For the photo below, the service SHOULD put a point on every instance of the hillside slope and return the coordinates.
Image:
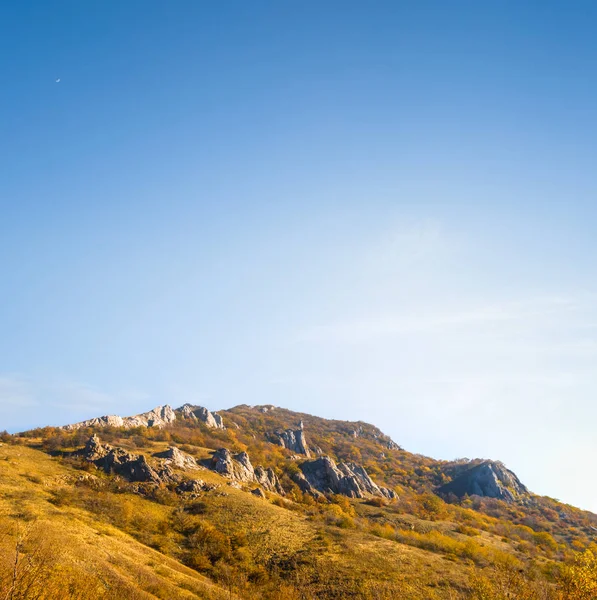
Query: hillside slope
(262, 502)
(62, 550)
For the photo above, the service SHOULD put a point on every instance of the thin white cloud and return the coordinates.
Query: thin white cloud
(362, 330)
(16, 392)
(24, 402)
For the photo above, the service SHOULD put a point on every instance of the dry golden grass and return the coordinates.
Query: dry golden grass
(76, 538)
(70, 545)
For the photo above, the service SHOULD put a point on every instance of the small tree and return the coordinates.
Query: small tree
(579, 580)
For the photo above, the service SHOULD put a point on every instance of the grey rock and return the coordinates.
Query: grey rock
(349, 479)
(133, 467)
(199, 413)
(158, 417)
(195, 486)
(258, 492)
(177, 458)
(268, 480)
(488, 478)
(293, 439)
(237, 467)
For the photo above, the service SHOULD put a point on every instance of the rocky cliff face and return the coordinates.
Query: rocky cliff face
(199, 413)
(349, 479)
(488, 478)
(158, 417)
(293, 439)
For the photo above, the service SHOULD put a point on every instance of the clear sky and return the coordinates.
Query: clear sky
(363, 210)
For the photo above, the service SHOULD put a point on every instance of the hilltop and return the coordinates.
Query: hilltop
(264, 502)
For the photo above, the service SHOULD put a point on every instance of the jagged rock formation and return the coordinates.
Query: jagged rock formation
(177, 458)
(349, 479)
(258, 492)
(158, 417)
(199, 413)
(487, 478)
(268, 480)
(133, 467)
(293, 439)
(238, 467)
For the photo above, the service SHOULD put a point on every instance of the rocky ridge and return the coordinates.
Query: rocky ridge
(158, 417)
(316, 476)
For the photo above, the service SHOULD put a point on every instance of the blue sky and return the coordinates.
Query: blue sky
(381, 211)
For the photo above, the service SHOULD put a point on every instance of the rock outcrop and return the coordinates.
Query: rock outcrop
(133, 467)
(349, 479)
(200, 413)
(238, 468)
(268, 480)
(177, 458)
(195, 486)
(292, 439)
(158, 417)
(487, 478)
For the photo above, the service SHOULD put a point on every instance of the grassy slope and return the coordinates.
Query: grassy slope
(343, 550)
(116, 565)
(108, 559)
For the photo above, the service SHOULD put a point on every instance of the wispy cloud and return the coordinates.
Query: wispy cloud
(16, 391)
(366, 329)
(25, 401)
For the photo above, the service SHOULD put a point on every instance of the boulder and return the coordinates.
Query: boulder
(177, 458)
(195, 486)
